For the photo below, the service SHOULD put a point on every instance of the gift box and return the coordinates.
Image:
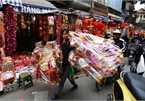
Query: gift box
(8, 73)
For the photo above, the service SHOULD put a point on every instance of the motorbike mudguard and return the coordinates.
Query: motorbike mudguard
(121, 92)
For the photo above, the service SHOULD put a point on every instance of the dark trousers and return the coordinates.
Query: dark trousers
(64, 76)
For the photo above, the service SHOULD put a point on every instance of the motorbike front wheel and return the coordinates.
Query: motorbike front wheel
(100, 85)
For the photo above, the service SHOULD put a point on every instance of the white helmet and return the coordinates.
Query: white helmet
(117, 31)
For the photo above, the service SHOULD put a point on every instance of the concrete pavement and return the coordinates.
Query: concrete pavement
(43, 92)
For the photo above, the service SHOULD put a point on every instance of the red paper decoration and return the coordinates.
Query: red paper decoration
(10, 29)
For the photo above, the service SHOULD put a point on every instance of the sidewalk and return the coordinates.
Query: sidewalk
(29, 93)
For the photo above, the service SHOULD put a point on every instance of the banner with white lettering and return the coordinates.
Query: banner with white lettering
(33, 10)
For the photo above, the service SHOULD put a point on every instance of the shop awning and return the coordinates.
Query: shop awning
(100, 17)
(17, 3)
(115, 17)
(36, 7)
(38, 3)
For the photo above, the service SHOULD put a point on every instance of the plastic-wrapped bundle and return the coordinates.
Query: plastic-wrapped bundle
(84, 65)
(97, 56)
(49, 59)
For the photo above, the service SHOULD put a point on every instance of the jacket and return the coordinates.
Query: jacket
(65, 48)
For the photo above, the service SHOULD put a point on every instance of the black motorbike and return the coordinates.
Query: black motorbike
(134, 52)
(134, 65)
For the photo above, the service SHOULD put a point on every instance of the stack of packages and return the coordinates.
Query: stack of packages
(48, 59)
(7, 75)
(7, 70)
(94, 55)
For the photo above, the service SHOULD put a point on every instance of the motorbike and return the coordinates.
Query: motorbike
(134, 52)
(130, 87)
(139, 67)
(100, 86)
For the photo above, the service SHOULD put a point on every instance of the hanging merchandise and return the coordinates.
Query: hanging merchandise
(65, 18)
(23, 25)
(64, 24)
(88, 24)
(40, 26)
(78, 25)
(71, 19)
(50, 24)
(16, 19)
(33, 18)
(10, 29)
(50, 20)
(99, 28)
(28, 21)
(112, 25)
(44, 25)
(79, 22)
(72, 23)
(44, 28)
(58, 28)
(2, 39)
(1, 23)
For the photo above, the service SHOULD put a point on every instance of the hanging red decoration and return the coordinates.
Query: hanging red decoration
(99, 26)
(10, 29)
(86, 22)
(112, 23)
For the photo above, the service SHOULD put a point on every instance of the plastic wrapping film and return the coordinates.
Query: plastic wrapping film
(94, 55)
(49, 59)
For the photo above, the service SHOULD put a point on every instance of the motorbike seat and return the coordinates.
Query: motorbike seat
(136, 85)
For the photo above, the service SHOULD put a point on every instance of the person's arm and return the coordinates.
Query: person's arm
(70, 46)
(123, 48)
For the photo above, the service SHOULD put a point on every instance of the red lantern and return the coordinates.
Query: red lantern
(99, 26)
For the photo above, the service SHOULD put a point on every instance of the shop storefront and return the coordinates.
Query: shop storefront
(100, 11)
(22, 25)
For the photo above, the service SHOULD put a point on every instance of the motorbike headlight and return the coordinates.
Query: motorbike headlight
(131, 52)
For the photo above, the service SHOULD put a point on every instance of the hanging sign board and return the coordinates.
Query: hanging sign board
(33, 10)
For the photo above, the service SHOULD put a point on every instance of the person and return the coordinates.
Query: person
(107, 35)
(136, 39)
(119, 41)
(65, 47)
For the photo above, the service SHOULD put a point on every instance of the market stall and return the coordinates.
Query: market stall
(22, 25)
